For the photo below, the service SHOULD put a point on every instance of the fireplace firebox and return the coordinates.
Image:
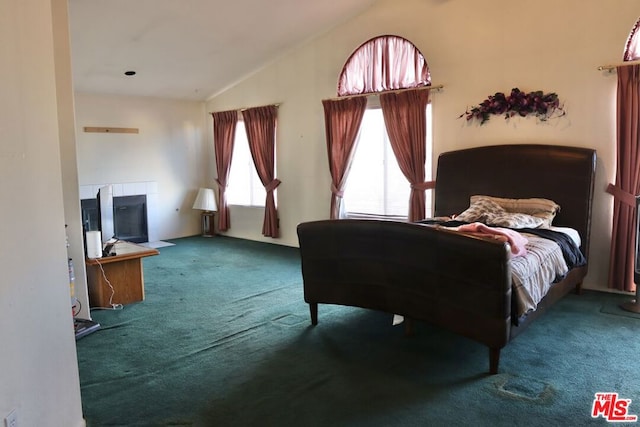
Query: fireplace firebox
(129, 217)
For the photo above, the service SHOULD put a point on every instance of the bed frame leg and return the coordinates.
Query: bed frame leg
(494, 360)
(313, 309)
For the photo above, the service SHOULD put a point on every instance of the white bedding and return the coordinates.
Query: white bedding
(534, 273)
(575, 236)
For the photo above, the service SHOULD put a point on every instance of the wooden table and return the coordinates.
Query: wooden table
(123, 271)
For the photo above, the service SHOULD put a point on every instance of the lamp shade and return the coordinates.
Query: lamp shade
(205, 200)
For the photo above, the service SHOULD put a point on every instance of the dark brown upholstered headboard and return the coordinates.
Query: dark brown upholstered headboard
(562, 174)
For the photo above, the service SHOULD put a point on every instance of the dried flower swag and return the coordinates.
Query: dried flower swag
(543, 106)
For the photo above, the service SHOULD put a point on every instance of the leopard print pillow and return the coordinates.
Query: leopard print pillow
(537, 207)
(515, 220)
(489, 212)
(480, 210)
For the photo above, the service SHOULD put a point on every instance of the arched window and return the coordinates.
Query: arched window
(383, 63)
(368, 179)
(632, 47)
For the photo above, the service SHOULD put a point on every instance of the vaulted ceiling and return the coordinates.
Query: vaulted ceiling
(189, 49)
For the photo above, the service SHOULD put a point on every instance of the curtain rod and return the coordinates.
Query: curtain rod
(436, 88)
(612, 67)
(247, 108)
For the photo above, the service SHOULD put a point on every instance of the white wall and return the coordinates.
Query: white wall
(67, 135)
(38, 359)
(473, 48)
(172, 149)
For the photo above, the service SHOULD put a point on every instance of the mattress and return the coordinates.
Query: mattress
(534, 272)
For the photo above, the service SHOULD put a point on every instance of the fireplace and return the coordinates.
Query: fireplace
(129, 217)
(91, 217)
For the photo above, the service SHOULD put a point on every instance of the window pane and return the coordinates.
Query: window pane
(397, 188)
(365, 183)
(428, 170)
(244, 187)
(376, 185)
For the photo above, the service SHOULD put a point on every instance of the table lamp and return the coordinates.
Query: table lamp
(206, 201)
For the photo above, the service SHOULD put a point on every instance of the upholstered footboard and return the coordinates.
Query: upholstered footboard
(455, 281)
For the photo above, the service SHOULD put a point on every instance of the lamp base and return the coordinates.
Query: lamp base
(208, 224)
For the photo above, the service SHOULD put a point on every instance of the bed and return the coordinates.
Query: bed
(460, 281)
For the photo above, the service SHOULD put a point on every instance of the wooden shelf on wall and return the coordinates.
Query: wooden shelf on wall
(110, 130)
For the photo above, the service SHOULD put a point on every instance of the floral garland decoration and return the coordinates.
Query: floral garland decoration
(543, 106)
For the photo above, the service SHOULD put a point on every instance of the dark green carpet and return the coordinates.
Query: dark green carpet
(224, 339)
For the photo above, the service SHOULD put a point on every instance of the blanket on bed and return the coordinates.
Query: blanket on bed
(571, 253)
(541, 257)
(516, 240)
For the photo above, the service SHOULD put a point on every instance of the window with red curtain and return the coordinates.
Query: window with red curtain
(380, 190)
(245, 187)
(374, 185)
(383, 63)
(627, 182)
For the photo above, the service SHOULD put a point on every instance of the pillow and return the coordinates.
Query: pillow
(515, 220)
(537, 207)
(480, 210)
(487, 211)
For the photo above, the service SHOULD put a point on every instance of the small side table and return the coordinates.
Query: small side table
(124, 273)
(208, 228)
